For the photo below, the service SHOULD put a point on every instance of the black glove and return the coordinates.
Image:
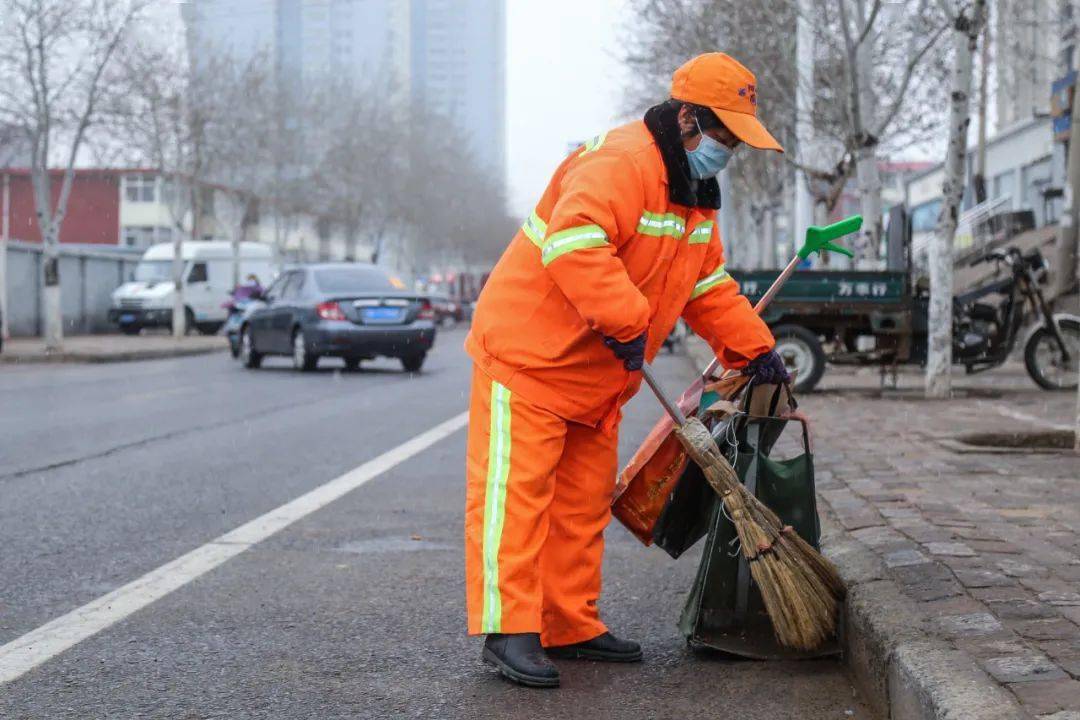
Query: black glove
(632, 352)
(767, 369)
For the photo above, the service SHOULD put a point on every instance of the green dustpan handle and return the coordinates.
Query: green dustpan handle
(821, 238)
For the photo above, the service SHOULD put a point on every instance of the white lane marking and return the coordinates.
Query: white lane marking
(37, 646)
(1011, 412)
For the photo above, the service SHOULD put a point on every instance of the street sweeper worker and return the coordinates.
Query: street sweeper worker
(622, 243)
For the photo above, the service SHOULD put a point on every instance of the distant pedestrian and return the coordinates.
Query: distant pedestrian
(251, 289)
(623, 242)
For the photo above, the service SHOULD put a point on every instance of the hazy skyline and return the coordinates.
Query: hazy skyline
(565, 84)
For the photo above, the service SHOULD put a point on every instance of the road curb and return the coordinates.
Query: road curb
(97, 358)
(903, 672)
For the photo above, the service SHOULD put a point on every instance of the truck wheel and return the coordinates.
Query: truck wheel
(1042, 356)
(802, 353)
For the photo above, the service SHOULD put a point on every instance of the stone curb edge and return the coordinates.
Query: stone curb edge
(129, 356)
(902, 671)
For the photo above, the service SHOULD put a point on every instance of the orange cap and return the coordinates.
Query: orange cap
(722, 84)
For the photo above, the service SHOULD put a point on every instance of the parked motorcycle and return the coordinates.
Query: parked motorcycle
(986, 330)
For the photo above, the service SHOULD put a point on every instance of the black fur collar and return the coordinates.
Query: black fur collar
(662, 121)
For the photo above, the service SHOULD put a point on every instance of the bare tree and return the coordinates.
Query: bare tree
(195, 123)
(968, 17)
(55, 57)
(876, 83)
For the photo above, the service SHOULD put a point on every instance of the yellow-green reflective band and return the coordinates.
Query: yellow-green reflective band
(495, 505)
(701, 234)
(595, 143)
(571, 239)
(535, 228)
(707, 283)
(658, 225)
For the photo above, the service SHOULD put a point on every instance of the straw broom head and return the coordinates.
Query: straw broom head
(800, 588)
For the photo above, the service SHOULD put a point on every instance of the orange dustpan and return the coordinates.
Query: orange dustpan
(647, 481)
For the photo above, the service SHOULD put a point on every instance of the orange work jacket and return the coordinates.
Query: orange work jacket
(607, 253)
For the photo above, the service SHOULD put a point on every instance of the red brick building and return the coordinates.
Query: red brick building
(93, 212)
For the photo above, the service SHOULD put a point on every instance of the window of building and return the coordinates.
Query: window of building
(138, 236)
(1003, 185)
(140, 188)
(924, 217)
(1034, 179)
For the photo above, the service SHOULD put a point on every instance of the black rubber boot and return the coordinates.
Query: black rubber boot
(606, 647)
(521, 658)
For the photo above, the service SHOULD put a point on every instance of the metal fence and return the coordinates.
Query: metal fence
(87, 278)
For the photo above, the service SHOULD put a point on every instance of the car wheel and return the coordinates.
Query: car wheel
(413, 363)
(248, 355)
(130, 329)
(301, 358)
(209, 328)
(352, 364)
(802, 354)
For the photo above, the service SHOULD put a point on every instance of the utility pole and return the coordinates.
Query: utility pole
(804, 98)
(5, 235)
(980, 156)
(1066, 255)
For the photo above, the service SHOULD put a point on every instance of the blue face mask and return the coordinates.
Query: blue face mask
(708, 158)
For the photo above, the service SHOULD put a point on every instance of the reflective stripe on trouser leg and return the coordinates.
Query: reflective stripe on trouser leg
(512, 482)
(498, 473)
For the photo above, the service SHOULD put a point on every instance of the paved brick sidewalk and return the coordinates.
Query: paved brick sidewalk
(988, 545)
(111, 348)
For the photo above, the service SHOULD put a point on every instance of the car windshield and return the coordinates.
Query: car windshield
(353, 279)
(153, 271)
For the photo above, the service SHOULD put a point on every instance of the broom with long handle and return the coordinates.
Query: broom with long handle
(801, 590)
(817, 239)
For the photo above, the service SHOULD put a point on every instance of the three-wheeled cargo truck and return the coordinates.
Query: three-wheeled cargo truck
(880, 318)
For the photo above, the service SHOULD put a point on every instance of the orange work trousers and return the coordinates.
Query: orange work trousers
(538, 498)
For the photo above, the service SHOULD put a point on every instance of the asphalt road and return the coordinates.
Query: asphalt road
(108, 472)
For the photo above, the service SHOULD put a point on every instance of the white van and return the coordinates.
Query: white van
(147, 300)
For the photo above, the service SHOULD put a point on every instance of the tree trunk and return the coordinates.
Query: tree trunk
(939, 339)
(50, 294)
(768, 239)
(1065, 255)
(179, 315)
(866, 169)
(803, 210)
(869, 181)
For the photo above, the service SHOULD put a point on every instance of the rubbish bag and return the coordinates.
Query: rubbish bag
(687, 514)
(724, 610)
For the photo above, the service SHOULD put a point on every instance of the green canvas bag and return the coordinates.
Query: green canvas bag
(724, 610)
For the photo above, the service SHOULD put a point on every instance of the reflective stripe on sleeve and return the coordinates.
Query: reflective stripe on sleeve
(571, 239)
(495, 505)
(707, 283)
(658, 225)
(535, 229)
(701, 234)
(595, 143)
